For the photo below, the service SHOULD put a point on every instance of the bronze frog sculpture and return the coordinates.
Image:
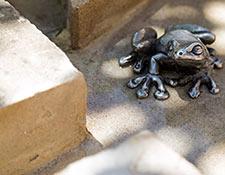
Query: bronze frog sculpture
(183, 49)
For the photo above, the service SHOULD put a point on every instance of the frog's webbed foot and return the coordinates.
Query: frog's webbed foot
(139, 65)
(194, 91)
(146, 81)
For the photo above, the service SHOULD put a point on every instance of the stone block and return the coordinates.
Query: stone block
(42, 97)
(89, 19)
(142, 154)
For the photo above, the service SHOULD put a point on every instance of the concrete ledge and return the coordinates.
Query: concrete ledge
(42, 97)
(91, 18)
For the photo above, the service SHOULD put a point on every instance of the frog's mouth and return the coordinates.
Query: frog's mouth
(186, 55)
(191, 62)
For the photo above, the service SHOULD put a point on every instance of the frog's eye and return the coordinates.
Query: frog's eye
(197, 50)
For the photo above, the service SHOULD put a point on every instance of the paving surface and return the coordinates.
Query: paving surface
(194, 128)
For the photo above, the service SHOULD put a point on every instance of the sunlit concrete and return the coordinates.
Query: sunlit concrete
(177, 139)
(170, 11)
(112, 70)
(220, 41)
(214, 12)
(118, 121)
(213, 161)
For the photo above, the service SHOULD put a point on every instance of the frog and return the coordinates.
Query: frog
(182, 49)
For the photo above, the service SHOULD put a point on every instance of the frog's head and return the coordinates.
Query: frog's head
(188, 52)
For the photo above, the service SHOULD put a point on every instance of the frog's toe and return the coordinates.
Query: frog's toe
(161, 95)
(138, 66)
(126, 61)
(218, 64)
(142, 93)
(171, 82)
(214, 91)
(133, 83)
(194, 93)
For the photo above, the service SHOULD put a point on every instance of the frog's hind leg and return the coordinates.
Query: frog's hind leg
(143, 45)
(206, 36)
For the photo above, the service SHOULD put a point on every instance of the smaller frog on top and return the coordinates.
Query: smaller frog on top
(182, 49)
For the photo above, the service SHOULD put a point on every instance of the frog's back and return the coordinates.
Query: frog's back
(183, 37)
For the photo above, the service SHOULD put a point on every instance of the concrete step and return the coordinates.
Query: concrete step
(42, 97)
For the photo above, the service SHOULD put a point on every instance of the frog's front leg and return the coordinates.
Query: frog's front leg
(194, 91)
(135, 59)
(151, 78)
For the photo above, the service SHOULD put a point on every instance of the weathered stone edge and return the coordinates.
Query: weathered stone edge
(83, 30)
(12, 169)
